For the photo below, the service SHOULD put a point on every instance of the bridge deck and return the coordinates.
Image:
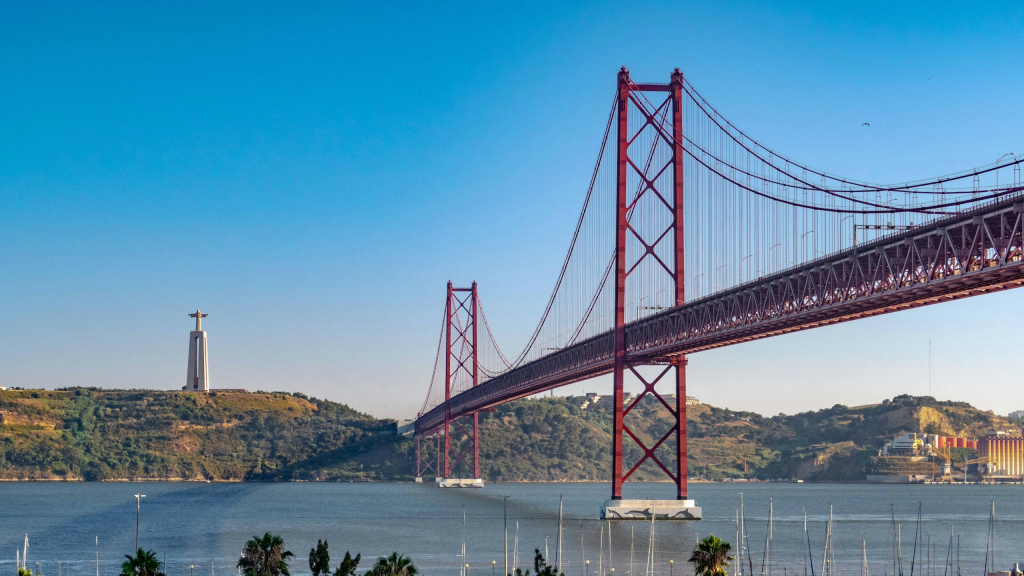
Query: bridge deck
(972, 253)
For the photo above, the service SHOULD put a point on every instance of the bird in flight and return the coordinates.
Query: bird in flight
(866, 124)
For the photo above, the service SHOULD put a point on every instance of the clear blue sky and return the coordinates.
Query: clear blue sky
(312, 174)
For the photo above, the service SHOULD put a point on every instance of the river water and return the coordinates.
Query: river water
(200, 528)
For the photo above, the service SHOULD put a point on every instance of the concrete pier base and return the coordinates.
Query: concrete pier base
(419, 480)
(641, 509)
(460, 483)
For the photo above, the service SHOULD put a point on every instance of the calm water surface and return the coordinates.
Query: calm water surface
(196, 525)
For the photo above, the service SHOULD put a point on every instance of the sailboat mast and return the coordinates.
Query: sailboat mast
(744, 548)
(650, 544)
(899, 546)
(515, 549)
(631, 532)
(916, 535)
(558, 551)
(771, 532)
(737, 570)
(583, 556)
(864, 557)
(824, 552)
(810, 558)
(611, 564)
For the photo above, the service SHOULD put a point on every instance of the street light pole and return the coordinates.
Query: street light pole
(997, 167)
(138, 511)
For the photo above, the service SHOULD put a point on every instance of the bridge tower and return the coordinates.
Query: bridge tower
(461, 372)
(428, 456)
(649, 177)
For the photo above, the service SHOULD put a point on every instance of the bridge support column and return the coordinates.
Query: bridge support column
(428, 456)
(681, 439)
(656, 249)
(461, 373)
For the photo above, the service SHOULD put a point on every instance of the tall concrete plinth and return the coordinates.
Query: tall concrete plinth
(198, 369)
(641, 509)
(460, 483)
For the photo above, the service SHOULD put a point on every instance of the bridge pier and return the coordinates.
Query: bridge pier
(458, 482)
(644, 509)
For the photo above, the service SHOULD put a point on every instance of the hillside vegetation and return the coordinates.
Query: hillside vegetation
(90, 434)
(101, 435)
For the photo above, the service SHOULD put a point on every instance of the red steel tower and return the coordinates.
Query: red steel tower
(649, 173)
(461, 371)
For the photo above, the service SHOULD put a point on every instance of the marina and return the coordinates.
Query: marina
(206, 525)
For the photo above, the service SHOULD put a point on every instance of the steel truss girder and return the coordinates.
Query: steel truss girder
(964, 255)
(976, 252)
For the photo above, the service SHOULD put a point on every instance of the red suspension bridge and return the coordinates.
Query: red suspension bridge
(693, 236)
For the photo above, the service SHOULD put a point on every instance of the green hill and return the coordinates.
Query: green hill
(91, 434)
(144, 434)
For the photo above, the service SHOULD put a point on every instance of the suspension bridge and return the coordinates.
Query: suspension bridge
(694, 235)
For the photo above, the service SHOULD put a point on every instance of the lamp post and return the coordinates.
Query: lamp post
(467, 569)
(997, 167)
(742, 260)
(773, 247)
(588, 567)
(138, 511)
(671, 568)
(492, 567)
(190, 568)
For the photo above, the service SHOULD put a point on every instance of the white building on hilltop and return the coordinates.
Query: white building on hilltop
(198, 369)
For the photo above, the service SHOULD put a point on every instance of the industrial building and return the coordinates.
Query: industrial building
(905, 444)
(1006, 451)
(950, 442)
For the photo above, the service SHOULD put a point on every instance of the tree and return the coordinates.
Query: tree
(394, 565)
(319, 559)
(348, 565)
(265, 556)
(144, 563)
(541, 567)
(711, 557)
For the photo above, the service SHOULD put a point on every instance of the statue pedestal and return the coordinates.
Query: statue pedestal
(198, 370)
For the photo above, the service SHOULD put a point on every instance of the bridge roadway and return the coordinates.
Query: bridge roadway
(967, 254)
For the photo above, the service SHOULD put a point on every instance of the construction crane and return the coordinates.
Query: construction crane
(989, 463)
(947, 462)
